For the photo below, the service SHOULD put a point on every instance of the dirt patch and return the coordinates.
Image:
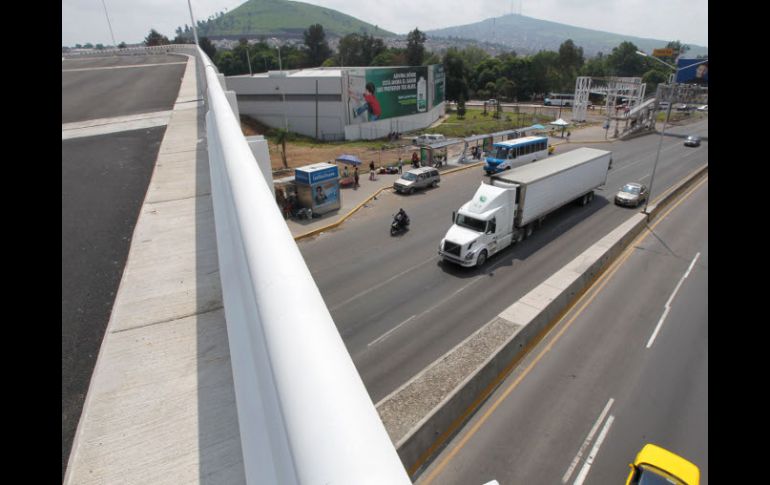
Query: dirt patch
(303, 153)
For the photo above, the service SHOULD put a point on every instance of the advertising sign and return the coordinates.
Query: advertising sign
(313, 174)
(692, 71)
(387, 92)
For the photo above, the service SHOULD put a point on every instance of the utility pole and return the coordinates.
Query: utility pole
(109, 24)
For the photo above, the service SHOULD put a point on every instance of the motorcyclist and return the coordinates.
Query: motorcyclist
(402, 218)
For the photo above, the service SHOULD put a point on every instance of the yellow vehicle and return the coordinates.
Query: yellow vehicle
(655, 465)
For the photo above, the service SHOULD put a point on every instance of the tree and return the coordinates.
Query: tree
(359, 50)
(415, 47)
(207, 47)
(281, 136)
(461, 107)
(625, 62)
(317, 48)
(155, 38)
(122, 45)
(570, 62)
(456, 75)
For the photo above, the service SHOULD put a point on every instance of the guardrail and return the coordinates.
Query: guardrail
(303, 411)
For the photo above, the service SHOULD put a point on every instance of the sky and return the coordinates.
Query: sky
(85, 21)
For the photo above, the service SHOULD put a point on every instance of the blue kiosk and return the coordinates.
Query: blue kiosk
(318, 187)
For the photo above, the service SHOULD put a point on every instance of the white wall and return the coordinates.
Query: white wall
(299, 108)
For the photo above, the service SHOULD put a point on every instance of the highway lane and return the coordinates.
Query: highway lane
(398, 308)
(628, 365)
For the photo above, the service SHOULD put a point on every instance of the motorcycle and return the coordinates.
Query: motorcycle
(399, 224)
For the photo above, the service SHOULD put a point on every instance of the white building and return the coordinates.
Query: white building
(329, 103)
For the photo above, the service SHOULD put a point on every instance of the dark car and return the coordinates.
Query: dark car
(692, 141)
(631, 195)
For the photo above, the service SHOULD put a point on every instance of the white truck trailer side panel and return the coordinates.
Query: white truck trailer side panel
(552, 183)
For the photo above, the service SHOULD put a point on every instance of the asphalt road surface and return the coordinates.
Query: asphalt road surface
(119, 86)
(627, 366)
(104, 181)
(398, 308)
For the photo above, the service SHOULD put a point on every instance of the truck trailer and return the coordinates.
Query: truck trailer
(507, 208)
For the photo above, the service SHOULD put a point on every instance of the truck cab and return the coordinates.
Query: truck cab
(481, 227)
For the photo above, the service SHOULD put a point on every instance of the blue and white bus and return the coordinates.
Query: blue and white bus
(512, 153)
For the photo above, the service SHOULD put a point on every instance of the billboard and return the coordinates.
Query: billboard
(387, 92)
(692, 71)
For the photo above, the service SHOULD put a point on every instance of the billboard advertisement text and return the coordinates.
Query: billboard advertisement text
(388, 92)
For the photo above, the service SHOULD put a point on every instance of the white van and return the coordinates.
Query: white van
(418, 178)
(427, 139)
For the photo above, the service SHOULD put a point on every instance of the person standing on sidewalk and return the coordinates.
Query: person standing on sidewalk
(400, 165)
(371, 170)
(355, 176)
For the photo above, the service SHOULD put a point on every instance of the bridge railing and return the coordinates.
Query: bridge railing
(303, 411)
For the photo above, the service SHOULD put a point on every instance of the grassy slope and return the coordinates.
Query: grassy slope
(271, 16)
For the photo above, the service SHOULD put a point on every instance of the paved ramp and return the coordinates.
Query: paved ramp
(161, 405)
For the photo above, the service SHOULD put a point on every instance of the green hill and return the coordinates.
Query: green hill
(527, 35)
(285, 18)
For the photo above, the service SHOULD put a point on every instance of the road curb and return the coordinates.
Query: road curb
(356, 208)
(527, 320)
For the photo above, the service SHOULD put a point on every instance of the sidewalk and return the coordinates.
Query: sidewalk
(354, 199)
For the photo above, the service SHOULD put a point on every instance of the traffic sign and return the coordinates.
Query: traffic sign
(663, 52)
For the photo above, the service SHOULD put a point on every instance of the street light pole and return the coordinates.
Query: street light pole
(192, 19)
(665, 122)
(109, 25)
(657, 156)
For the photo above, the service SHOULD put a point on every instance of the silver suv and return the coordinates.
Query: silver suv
(417, 178)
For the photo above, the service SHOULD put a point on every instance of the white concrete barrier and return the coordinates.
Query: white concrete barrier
(304, 413)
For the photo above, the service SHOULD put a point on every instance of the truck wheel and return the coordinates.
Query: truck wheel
(528, 231)
(590, 196)
(482, 258)
(584, 200)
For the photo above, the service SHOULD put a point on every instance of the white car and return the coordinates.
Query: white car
(705, 107)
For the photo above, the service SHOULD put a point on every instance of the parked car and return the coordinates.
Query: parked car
(631, 195)
(417, 178)
(654, 464)
(692, 141)
(492, 102)
(427, 139)
(663, 105)
(705, 107)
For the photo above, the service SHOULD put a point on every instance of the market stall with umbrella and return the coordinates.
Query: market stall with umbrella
(348, 181)
(561, 123)
(348, 159)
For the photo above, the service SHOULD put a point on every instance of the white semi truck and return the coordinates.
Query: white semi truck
(506, 209)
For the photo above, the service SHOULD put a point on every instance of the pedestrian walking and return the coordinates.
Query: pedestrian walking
(371, 170)
(355, 176)
(400, 165)
(568, 133)
(415, 160)
(345, 173)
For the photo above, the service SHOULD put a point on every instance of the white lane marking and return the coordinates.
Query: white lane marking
(594, 451)
(587, 441)
(387, 334)
(380, 284)
(668, 303)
